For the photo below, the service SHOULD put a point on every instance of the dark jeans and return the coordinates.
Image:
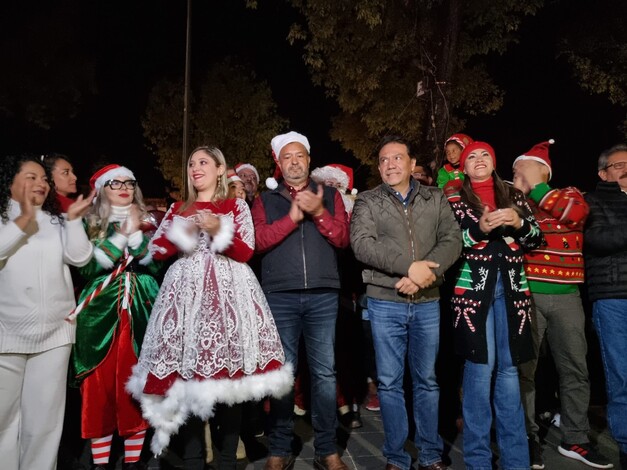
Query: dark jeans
(311, 313)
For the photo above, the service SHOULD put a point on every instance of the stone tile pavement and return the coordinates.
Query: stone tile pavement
(361, 448)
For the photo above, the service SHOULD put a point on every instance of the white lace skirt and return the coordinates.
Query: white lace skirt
(211, 339)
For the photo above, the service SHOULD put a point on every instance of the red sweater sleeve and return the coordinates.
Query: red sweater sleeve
(334, 227)
(267, 236)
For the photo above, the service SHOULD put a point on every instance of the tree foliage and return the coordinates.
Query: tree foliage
(594, 42)
(401, 65)
(230, 108)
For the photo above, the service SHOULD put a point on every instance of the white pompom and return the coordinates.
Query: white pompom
(354, 191)
(271, 183)
(551, 141)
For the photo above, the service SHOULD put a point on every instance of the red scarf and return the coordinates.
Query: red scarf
(65, 202)
(485, 191)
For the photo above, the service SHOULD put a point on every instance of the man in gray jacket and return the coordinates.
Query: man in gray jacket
(406, 235)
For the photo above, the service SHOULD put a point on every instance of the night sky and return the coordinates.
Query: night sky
(132, 44)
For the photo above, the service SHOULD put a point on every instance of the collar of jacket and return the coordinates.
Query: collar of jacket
(418, 189)
(608, 187)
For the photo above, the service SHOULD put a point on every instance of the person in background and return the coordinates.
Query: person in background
(452, 170)
(349, 345)
(422, 173)
(299, 226)
(554, 271)
(492, 307)
(236, 186)
(63, 178)
(64, 183)
(406, 236)
(605, 255)
(37, 244)
(250, 177)
(211, 343)
(110, 328)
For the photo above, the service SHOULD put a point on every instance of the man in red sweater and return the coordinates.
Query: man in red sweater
(554, 271)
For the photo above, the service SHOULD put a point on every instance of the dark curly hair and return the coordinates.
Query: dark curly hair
(11, 166)
(50, 160)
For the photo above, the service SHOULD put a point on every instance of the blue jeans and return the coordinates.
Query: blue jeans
(400, 329)
(311, 313)
(481, 381)
(610, 321)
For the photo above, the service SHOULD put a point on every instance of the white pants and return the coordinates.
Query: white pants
(32, 402)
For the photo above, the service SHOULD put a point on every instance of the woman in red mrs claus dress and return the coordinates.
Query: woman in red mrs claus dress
(211, 338)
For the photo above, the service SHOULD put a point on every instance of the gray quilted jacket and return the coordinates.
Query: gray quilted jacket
(387, 237)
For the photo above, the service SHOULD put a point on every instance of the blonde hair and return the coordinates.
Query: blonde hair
(98, 216)
(222, 188)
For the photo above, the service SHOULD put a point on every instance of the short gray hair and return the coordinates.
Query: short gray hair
(606, 154)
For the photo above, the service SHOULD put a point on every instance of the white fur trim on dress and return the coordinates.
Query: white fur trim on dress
(224, 237)
(167, 413)
(179, 235)
(145, 261)
(135, 239)
(118, 240)
(102, 259)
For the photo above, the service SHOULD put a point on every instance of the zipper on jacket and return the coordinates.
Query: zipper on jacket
(302, 249)
(407, 213)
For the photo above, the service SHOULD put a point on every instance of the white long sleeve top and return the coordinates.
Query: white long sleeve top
(36, 291)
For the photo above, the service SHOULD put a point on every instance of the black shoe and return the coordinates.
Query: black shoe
(355, 421)
(585, 453)
(535, 454)
(139, 465)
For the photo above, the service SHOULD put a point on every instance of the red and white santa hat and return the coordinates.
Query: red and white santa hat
(109, 172)
(335, 171)
(460, 139)
(539, 153)
(277, 143)
(246, 166)
(231, 176)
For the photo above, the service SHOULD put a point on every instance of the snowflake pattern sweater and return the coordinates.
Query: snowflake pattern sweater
(483, 256)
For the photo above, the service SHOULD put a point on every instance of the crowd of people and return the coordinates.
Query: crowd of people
(243, 307)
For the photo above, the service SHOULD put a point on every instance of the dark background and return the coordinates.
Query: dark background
(133, 44)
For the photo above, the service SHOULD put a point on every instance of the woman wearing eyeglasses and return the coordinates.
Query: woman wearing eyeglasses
(116, 304)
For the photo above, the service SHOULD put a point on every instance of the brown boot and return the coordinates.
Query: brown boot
(278, 462)
(329, 462)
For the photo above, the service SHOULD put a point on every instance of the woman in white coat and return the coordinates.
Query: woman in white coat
(37, 244)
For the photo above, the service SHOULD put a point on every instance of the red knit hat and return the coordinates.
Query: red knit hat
(460, 139)
(474, 146)
(540, 154)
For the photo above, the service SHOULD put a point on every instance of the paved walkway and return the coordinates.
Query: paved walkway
(362, 447)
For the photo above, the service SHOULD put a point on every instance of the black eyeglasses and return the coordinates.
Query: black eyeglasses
(617, 165)
(116, 184)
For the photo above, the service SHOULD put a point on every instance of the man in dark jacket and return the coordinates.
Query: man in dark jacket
(298, 228)
(605, 254)
(406, 235)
